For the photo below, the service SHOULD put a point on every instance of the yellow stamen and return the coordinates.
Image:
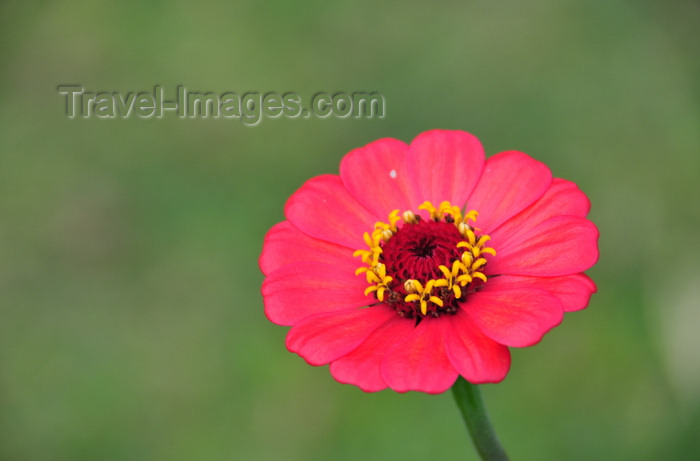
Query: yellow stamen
(423, 307)
(393, 219)
(464, 279)
(412, 286)
(464, 228)
(386, 234)
(483, 239)
(478, 263)
(436, 300)
(471, 216)
(409, 217)
(427, 206)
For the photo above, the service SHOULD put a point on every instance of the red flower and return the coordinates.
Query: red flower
(385, 276)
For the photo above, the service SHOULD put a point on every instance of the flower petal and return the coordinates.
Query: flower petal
(420, 363)
(573, 291)
(323, 208)
(562, 245)
(445, 165)
(474, 355)
(562, 198)
(322, 338)
(362, 367)
(513, 317)
(294, 292)
(511, 181)
(377, 176)
(285, 244)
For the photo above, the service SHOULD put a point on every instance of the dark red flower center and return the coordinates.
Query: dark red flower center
(416, 251)
(425, 266)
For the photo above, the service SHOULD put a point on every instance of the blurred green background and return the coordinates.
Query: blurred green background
(131, 322)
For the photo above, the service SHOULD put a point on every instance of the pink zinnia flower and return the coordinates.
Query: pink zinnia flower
(427, 261)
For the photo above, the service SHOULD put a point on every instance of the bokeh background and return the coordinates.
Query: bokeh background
(131, 322)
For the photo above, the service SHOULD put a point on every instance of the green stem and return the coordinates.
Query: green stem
(471, 405)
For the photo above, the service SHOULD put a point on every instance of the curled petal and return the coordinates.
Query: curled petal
(445, 165)
(573, 291)
(285, 244)
(562, 198)
(362, 366)
(419, 362)
(323, 208)
(562, 245)
(510, 183)
(325, 337)
(513, 317)
(474, 355)
(377, 176)
(294, 292)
